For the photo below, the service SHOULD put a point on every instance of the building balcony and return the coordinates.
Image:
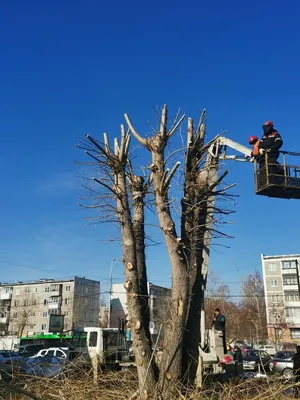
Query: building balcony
(55, 293)
(292, 321)
(54, 306)
(5, 296)
(292, 303)
(290, 288)
(288, 271)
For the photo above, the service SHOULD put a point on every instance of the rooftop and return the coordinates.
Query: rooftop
(45, 281)
(282, 256)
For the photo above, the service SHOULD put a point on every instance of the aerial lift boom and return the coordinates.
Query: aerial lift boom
(272, 180)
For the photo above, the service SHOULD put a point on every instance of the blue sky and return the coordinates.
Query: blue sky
(73, 67)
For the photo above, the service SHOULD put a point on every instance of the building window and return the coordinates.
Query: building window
(33, 314)
(291, 296)
(274, 283)
(292, 312)
(86, 290)
(290, 279)
(54, 288)
(66, 313)
(16, 303)
(288, 264)
(278, 333)
(15, 315)
(27, 290)
(66, 301)
(272, 267)
(35, 289)
(55, 299)
(93, 339)
(33, 302)
(25, 302)
(295, 333)
(47, 289)
(45, 302)
(275, 298)
(45, 314)
(68, 288)
(53, 312)
(44, 327)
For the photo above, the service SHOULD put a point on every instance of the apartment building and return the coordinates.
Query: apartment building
(5, 303)
(282, 288)
(158, 302)
(25, 307)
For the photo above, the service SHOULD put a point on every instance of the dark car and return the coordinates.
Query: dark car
(46, 366)
(283, 354)
(6, 356)
(30, 350)
(254, 360)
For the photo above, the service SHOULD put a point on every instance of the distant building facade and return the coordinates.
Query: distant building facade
(158, 302)
(25, 307)
(282, 288)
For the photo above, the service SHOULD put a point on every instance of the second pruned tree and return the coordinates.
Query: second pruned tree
(183, 188)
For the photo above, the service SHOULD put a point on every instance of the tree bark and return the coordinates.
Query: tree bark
(137, 188)
(171, 363)
(142, 347)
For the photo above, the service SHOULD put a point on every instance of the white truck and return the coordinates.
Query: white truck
(10, 343)
(105, 347)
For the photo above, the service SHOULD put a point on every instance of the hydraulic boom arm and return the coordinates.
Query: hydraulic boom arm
(221, 144)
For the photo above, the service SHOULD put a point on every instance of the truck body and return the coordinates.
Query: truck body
(10, 343)
(99, 347)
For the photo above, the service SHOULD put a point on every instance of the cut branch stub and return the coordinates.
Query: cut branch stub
(163, 121)
(127, 285)
(138, 326)
(129, 266)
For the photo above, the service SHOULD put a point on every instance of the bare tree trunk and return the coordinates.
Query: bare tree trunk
(189, 234)
(116, 163)
(137, 189)
(198, 209)
(171, 363)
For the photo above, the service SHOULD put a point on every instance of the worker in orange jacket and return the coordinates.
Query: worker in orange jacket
(257, 146)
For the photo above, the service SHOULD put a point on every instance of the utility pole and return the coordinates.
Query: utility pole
(110, 291)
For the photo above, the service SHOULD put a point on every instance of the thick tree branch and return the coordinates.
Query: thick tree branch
(134, 132)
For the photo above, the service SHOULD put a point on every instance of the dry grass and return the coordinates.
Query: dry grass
(123, 385)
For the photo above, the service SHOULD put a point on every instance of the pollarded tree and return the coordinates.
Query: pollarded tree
(120, 196)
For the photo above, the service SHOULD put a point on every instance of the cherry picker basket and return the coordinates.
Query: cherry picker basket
(278, 180)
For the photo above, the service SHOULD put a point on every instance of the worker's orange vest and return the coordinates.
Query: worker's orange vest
(255, 150)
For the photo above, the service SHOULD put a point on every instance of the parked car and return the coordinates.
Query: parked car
(269, 349)
(30, 349)
(283, 354)
(8, 356)
(46, 366)
(253, 360)
(59, 352)
(283, 366)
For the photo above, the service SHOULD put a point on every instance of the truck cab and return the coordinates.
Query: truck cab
(101, 346)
